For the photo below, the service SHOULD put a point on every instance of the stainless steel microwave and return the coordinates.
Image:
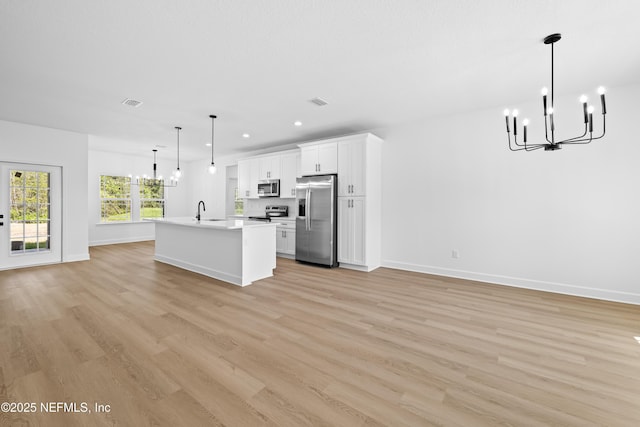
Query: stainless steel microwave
(269, 188)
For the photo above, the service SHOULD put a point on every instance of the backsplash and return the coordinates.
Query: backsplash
(255, 207)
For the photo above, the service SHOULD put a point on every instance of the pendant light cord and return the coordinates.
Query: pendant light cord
(552, 74)
(212, 132)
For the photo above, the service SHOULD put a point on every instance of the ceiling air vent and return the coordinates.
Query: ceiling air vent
(318, 101)
(131, 102)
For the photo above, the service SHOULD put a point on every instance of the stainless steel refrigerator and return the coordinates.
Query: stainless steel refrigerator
(317, 220)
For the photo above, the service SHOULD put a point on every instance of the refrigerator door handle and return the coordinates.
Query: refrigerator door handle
(308, 210)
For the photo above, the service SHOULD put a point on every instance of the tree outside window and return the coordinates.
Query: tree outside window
(152, 199)
(115, 198)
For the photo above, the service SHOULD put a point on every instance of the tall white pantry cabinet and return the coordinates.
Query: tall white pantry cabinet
(360, 202)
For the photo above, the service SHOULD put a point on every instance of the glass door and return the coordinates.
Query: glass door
(30, 215)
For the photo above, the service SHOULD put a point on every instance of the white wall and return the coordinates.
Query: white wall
(38, 145)
(109, 163)
(564, 221)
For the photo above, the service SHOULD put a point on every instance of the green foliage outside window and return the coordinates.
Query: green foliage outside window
(29, 196)
(239, 204)
(115, 198)
(152, 198)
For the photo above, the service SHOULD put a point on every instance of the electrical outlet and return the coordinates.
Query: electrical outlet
(455, 254)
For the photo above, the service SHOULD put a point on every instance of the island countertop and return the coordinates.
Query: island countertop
(219, 224)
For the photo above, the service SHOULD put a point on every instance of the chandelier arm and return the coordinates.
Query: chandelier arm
(576, 138)
(546, 134)
(526, 147)
(592, 138)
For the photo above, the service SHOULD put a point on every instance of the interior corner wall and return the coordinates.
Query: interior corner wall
(564, 221)
(211, 189)
(111, 163)
(23, 143)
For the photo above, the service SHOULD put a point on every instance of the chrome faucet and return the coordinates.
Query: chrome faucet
(203, 208)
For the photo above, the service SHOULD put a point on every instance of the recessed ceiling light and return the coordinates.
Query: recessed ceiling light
(246, 135)
(208, 144)
(131, 102)
(297, 123)
(160, 146)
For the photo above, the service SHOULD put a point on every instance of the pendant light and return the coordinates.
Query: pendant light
(212, 166)
(178, 173)
(552, 143)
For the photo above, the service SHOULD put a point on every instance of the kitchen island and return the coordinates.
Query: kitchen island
(235, 251)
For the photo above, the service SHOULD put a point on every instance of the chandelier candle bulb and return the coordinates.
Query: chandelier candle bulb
(583, 99)
(525, 123)
(602, 102)
(506, 117)
(590, 110)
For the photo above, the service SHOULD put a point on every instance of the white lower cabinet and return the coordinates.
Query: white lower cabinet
(351, 230)
(286, 239)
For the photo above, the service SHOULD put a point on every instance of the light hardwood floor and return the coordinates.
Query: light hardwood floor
(310, 346)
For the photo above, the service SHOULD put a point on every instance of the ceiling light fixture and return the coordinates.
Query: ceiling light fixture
(246, 135)
(212, 166)
(155, 179)
(297, 123)
(549, 124)
(178, 173)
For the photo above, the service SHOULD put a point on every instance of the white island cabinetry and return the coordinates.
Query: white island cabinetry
(235, 251)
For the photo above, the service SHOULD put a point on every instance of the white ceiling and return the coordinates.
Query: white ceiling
(68, 64)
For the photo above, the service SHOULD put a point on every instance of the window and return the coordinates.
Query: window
(29, 212)
(115, 198)
(239, 203)
(152, 198)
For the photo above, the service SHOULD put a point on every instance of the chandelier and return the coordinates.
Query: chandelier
(551, 143)
(158, 180)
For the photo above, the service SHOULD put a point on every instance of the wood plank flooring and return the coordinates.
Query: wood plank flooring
(308, 347)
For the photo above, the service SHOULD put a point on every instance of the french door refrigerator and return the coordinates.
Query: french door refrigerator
(317, 220)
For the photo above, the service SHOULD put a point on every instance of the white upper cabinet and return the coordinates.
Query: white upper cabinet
(283, 166)
(269, 167)
(318, 158)
(248, 171)
(352, 167)
(288, 174)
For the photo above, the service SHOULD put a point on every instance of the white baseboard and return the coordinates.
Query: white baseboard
(126, 240)
(560, 288)
(76, 257)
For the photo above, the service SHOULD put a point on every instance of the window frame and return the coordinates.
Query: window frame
(128, 201)
(142, 200)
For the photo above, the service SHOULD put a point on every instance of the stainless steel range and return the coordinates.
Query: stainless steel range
(272, 211)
